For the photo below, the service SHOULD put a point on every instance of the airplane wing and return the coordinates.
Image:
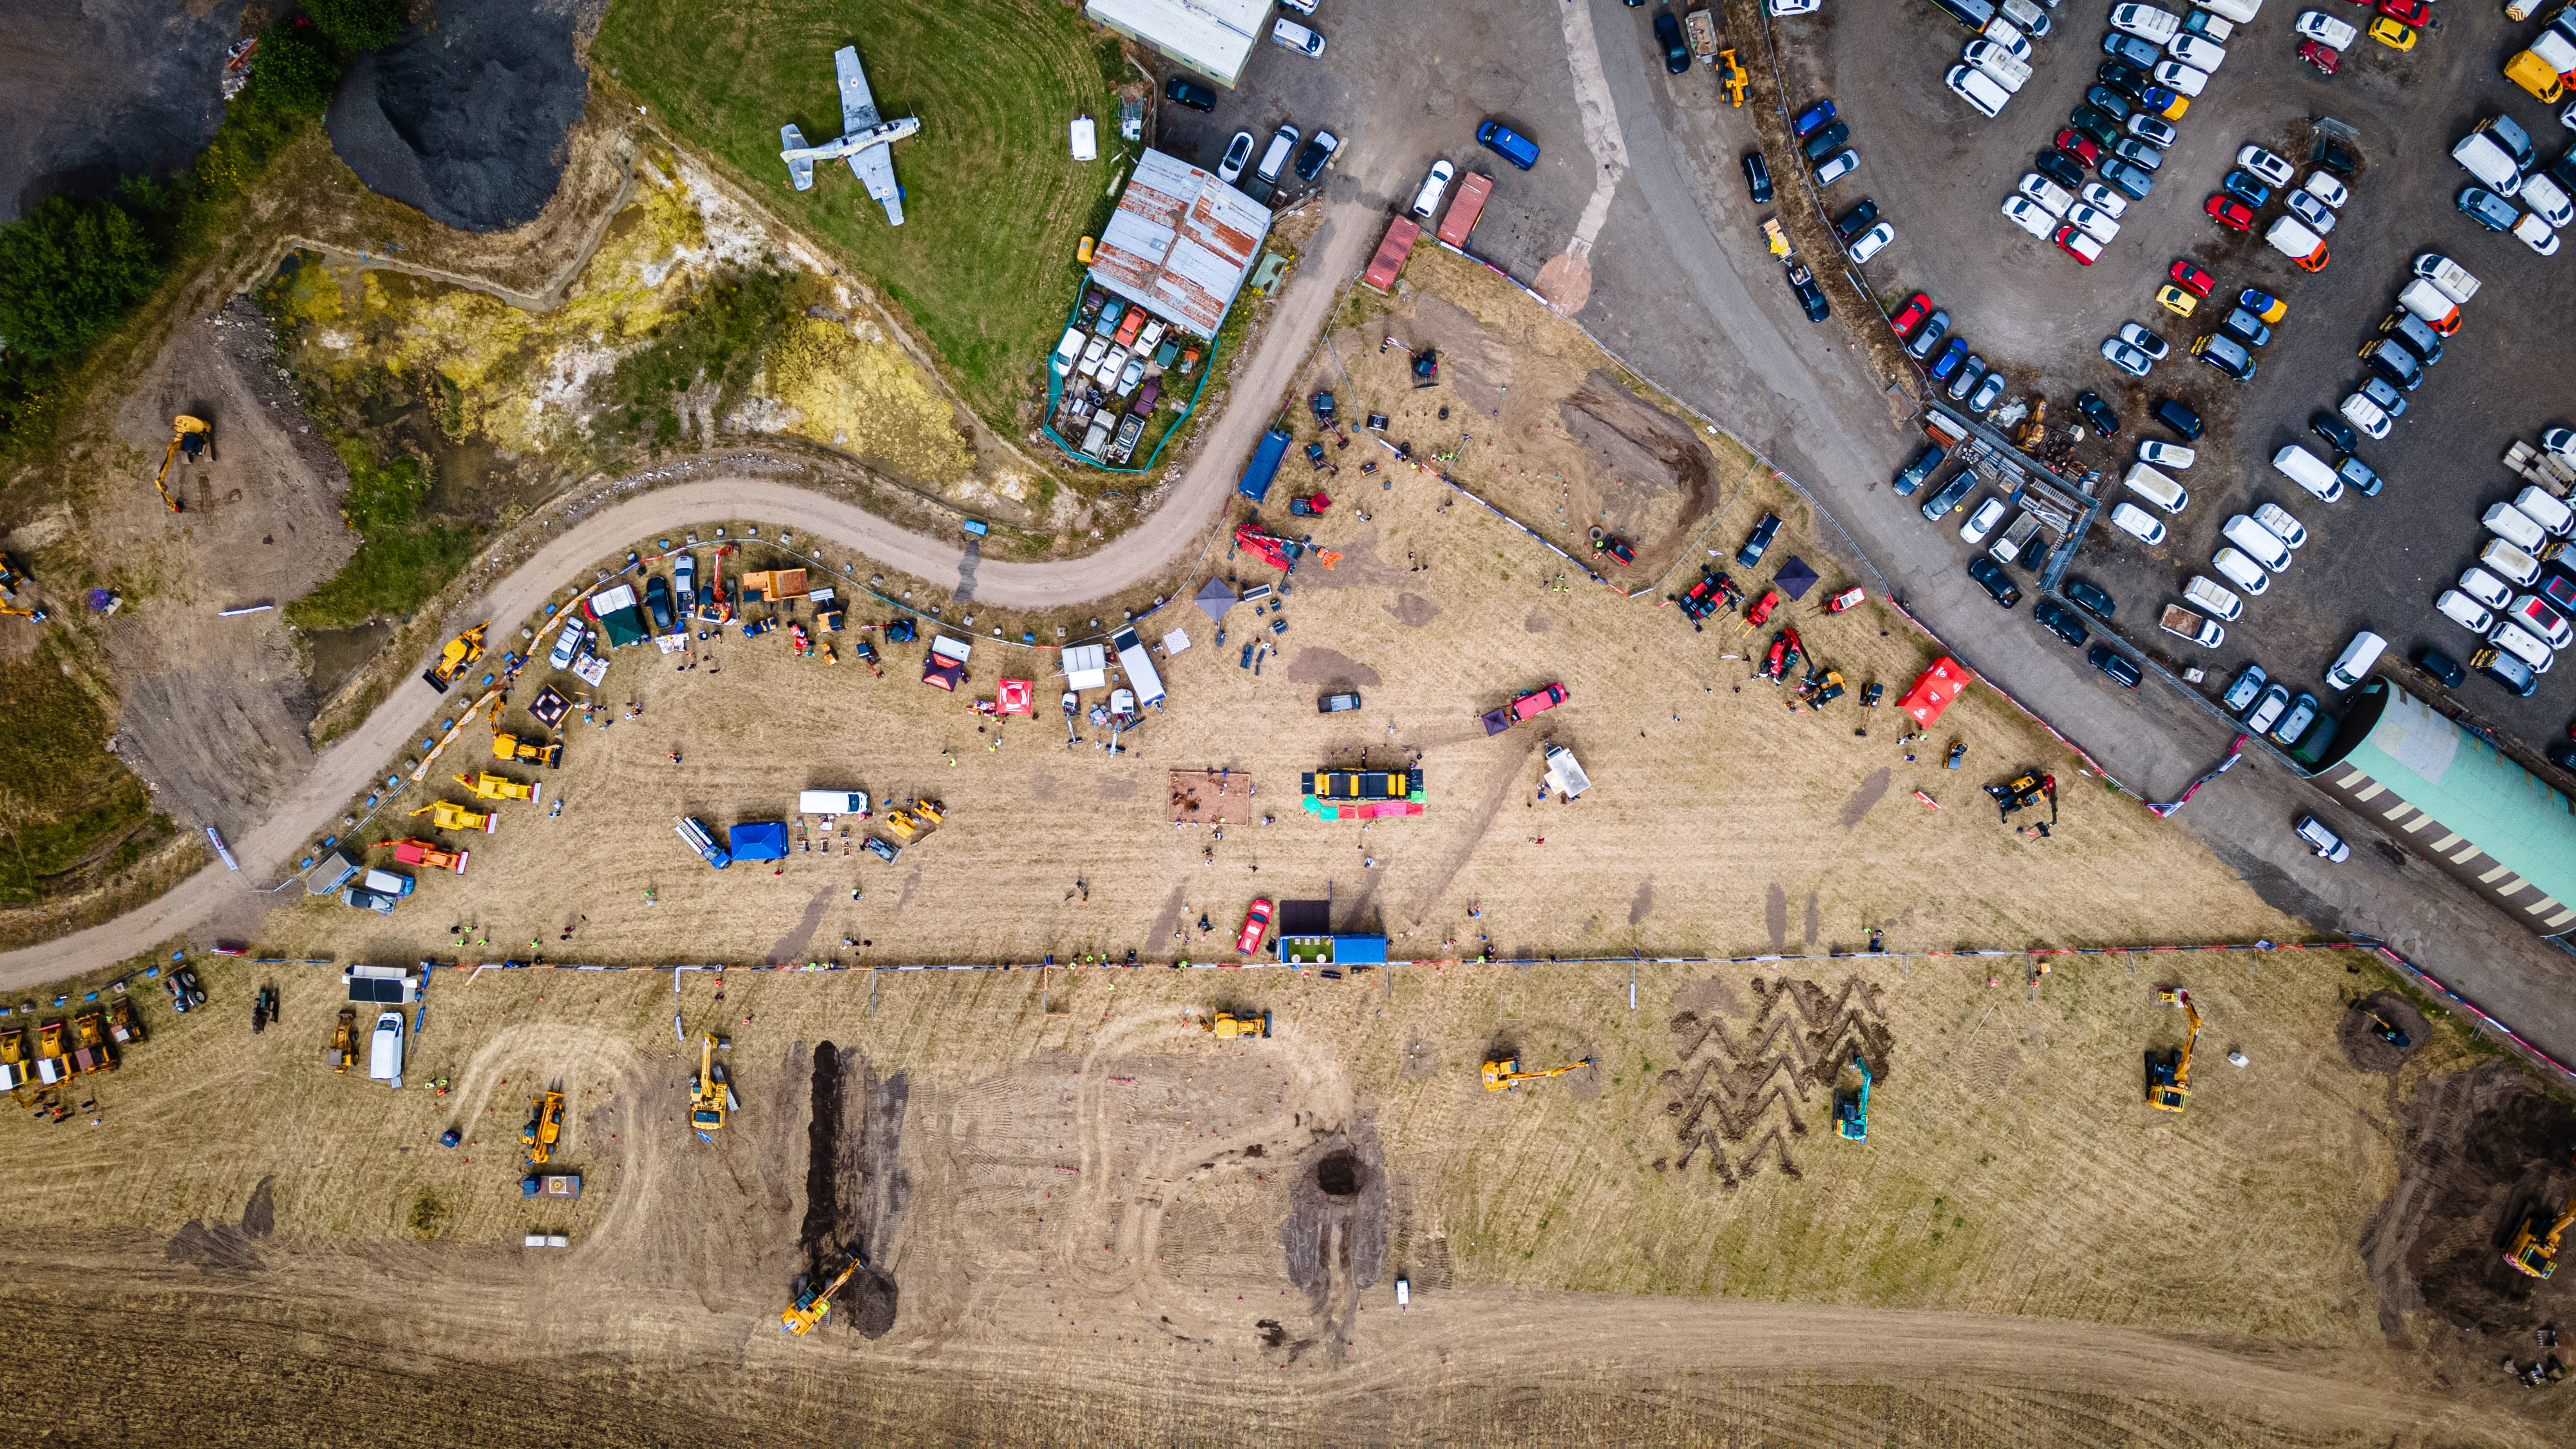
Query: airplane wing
(801, 169)
(858, 104)
(875, 169)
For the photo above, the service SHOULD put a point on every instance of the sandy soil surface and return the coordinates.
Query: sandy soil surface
(103, 89)
(467, 121)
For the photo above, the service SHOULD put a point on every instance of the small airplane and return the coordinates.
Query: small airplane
(865, 140)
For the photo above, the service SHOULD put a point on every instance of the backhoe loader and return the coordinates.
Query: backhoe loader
(543, 1129)
(1228, 1026)
(2535, 1251)
(709, 1094)
(344, 1040)
(193, 436)
(448, 815)
(512, 747)
(815, 1304)
(459, 655)
(488, 786)
(2169, 1072)
(1503, 1075)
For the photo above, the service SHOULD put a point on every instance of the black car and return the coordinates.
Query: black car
(1336, 703)
(1822, 144)
(1921, 468)
(1947, 501)
(2179, 418)
(1186, 93)
(2442, 667)
(1810, 296)
(1991, 577)
(1857, 220)
(2335, 431)
(2087, 596)
(2059, 167)
(2123, 77)
(1317, 152)
(1751, 553)
(2098, 413)
(2097, 123)
(2060, 620)
(1757, 176)
(657, 597)
(1668, 34)
(2337, 160)
(2034, 552)
(2111, 662)
(185, 993)
(2110, 102)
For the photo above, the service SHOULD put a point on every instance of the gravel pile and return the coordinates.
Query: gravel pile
(466, 122)
(99, 90)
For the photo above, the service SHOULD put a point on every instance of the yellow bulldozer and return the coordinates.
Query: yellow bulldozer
(460, 655)
(1505, 1074)
(2169, 1072)
(815, 1304)
(710, 1096)
(2535, 1249)
(527, 751)
(488, 786)
(192, 436)
(448, 815)
(545, 1128)
(344, 1040)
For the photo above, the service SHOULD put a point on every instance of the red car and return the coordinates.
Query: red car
(2324, 57)
(2080, 146)
(2228, 212)
(1255, 922)
(2073, 241)
(2417, 13)
(2191, 279)
(1911, 315)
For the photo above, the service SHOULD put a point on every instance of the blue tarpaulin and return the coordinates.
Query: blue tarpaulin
(759, 840)
(1361, 950)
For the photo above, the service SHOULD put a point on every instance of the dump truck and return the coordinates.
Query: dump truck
(513, 747)
(448, 815)
(1702, 27)
(461, 654)
(2203, 632)
(488, 786)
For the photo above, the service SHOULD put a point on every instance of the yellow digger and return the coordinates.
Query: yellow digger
(12, 581)
(1503, 1075)
(905, 824)
(344, 1040)
(192, 436)
(511, 747)
(815, 1304)
(2535, 1251)
(448, 815)
(1228, 1025)
(2169, 1072)
(488, 786)
(708, 1091)
(543, 1129)
(459, 655)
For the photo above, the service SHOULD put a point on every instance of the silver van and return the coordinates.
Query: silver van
(2301, 467)
(2026, 14)
(1272, 160)
(2153, 486)
(2008, 548)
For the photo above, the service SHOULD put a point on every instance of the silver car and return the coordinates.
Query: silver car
(2328, 845)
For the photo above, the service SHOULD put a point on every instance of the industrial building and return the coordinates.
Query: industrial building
(2454, 799)
(1180, 243)
(1211, 37)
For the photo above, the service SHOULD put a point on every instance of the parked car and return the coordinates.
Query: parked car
(2244, 327)
(2126, 358)
(2506, 670)
(2129, 518)
(1983, 521)
(2245, 188)
(2268, 709)
(2087, 596)
(2294, 725)
(1991, 577)
(2442, 667)
(2320, 218)
(2110, 103)
(1990, 390)
(2079, 146)
(1978, 89)
(2229, 212)
(2098, 413)
(2175, 300)
(1337, 703)
(2226, 354)
(2059, 620)
(1757, 177)
(1758, 542)
(2265, 307)
(1966, 377)
(2266, 165)
(2136, 335)
(2365, 414)
(2174, 414)
(2235, 567)
(2156, 133)
(1289, 35)
(2242, 692)
(1824, 142)
(1856, 221)
(2535, 615)
(1256, 923)
(657, 601)
(1238, 154)
(2095, 223)
(2030, 216)
(2097, 124)
(2133, 50)
(1924, 465)
(1189, 93)
(1871, 242)
(2485, 587)
(2488, 209)
(1916, 308)
(2464, 611)
(1836, 167)
(2166, 455)
(1812, 119)
(1949, 360)
(2059, 167)
(1507, 143)
(2139, 154)
(1668, 35)
(2393, 362)
(568, 644)
(2327, 845)
(2324, 187)
(2072, 240)
(2335, 431)
(1935, 327)
(2115, 664)
(2281, 525)
(2129, 177)
(2318, 26)
(2358, 475)
(2111, 203)
(1945, 502)
(2046, 192)
(1811, 298)
(1317, 154)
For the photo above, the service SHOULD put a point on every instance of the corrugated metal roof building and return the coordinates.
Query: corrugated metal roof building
(1180, 243)
(2458, 802)
(1212, 37)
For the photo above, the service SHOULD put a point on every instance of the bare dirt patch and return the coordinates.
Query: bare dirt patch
(2359, 1037)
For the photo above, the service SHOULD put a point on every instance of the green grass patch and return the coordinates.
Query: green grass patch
(62, 795)
(401, 561)
(994, 202)
(716, 337)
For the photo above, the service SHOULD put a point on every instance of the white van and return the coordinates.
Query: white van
(2537, 505)
(2439, 309)
(2353, 665)
(2508, 523)
(2221, 603)
(2519, 642)
(2454, 279)
(2240, 11)
(2491, 163)
(2032, 20)
(2301, 467)
(1275, 160)
(2146, 22)
(2292, 239)
(2510, 562)
(1998, 63)
(385, 1049)
(2547, 200)
(2265, 545)
(2156, 488)
(1070, 348)
(2241, 571)
(1978, 89)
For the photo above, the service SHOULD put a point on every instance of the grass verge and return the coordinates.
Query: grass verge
(65, 802)
(403, 561)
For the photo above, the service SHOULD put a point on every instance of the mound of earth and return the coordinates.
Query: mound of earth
(467, 120)
(104, 89)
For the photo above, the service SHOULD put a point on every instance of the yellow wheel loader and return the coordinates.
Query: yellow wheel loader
(1503, 1075)
(460, 655)
(544, 1129)
(511, 747)
(2169, 1073)
(2535, 1249)
(192, 436)
(1228, 1026)
(448, 815)
(488, 786)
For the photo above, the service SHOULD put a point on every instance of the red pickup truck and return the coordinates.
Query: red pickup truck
(1524, 706)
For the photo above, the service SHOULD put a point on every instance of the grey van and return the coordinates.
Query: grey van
(2408, 328)
(2394, 362)
(2506, 670)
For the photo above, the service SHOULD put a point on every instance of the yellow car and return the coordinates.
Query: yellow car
(2175, 300)
(2389, 31)
(488, 786)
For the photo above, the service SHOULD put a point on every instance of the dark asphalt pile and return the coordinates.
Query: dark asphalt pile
(99, 90)
(466, 122)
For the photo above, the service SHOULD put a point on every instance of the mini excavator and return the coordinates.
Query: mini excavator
(12, 583)
(2023, 790)
(1503, 1075)
(815, 1304)
(710, 1096)
(459, 655)
(2169, 1072)
(192, 436)
(1851, 1112)
(2535, 1250)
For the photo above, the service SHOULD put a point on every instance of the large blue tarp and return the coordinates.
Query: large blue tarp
(759, 840)
(1362, 950)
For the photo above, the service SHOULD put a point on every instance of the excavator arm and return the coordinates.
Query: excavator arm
(1501, 1076)
(2169, 1086)
(2536, 1253)
(182, 428)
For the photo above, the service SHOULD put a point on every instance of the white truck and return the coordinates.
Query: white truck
(2452, 278)
(2181, 621)
(1564, 773)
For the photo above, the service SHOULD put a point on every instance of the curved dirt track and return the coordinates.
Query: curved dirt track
(344, 771)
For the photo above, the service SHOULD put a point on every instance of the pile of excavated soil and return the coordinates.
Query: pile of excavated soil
(103, 89)
(467, 120)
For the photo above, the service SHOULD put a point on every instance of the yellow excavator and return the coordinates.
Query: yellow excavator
(513, 747)
(192, 436)
(448, 815)
(1503, 1075)
(815, 1304)
(11, 583)
(459, 655)
(488, 786)
(707, 1091)
(543, 1129)
(2535, 1251)
(2169, 1072)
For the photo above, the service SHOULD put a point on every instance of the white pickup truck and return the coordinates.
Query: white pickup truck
(2203, 632)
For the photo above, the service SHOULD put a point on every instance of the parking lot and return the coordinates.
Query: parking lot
(2023, 305)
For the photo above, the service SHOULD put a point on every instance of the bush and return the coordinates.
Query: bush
(294, 70)
(356, 25)
(68, 271)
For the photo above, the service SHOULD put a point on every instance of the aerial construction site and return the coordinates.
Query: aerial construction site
(1218, 790)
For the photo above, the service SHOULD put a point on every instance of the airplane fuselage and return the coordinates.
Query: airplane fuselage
(856, 142)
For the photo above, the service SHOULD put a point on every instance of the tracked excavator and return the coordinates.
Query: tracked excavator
(710, 1096)
(1503, 1075)
(192, 436)
(545, 1128)
(2534, 1250)
(1851, 1112)
(12, 584)
(2169, 1072)
(459, 655)
(815, 1304)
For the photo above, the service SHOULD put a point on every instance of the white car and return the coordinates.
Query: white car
(2364, 414)
(568, 644)
(2485, 587)
(2146, 22)
(2324, 29)
(2319, 216)
(2129, 518)
(2102, 198)
(2324, 187)
(2030, 216)
(1784, 8)
(2175, 76)
(2255, 539)
(2197, 51)
(2165, 455)
(1983, 521)
(2327, 845)
(2046, 192)
(1426, 202)
(1238, 154)
(1293, 36)
(2096, 224)
(2137, 336)
(2126, 358)
(2241, 571)
(2466, 612)
(1836, 167)
(1871, 242)
(2283, 527)
(1978, 89)
(2519, 642)
(2536, 234)
(2272, 169)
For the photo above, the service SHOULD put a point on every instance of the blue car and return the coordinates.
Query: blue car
(2128, 176)
(2131, 49)
(1951, 357)
(1812, 118)
(2246, 189)
(1507, 143)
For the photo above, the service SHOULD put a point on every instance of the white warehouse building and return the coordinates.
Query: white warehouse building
(1211, 37)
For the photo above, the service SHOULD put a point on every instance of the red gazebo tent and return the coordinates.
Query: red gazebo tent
(1014, 697)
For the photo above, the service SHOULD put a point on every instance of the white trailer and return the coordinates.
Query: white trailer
(1139, 664)
(1564, 773)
